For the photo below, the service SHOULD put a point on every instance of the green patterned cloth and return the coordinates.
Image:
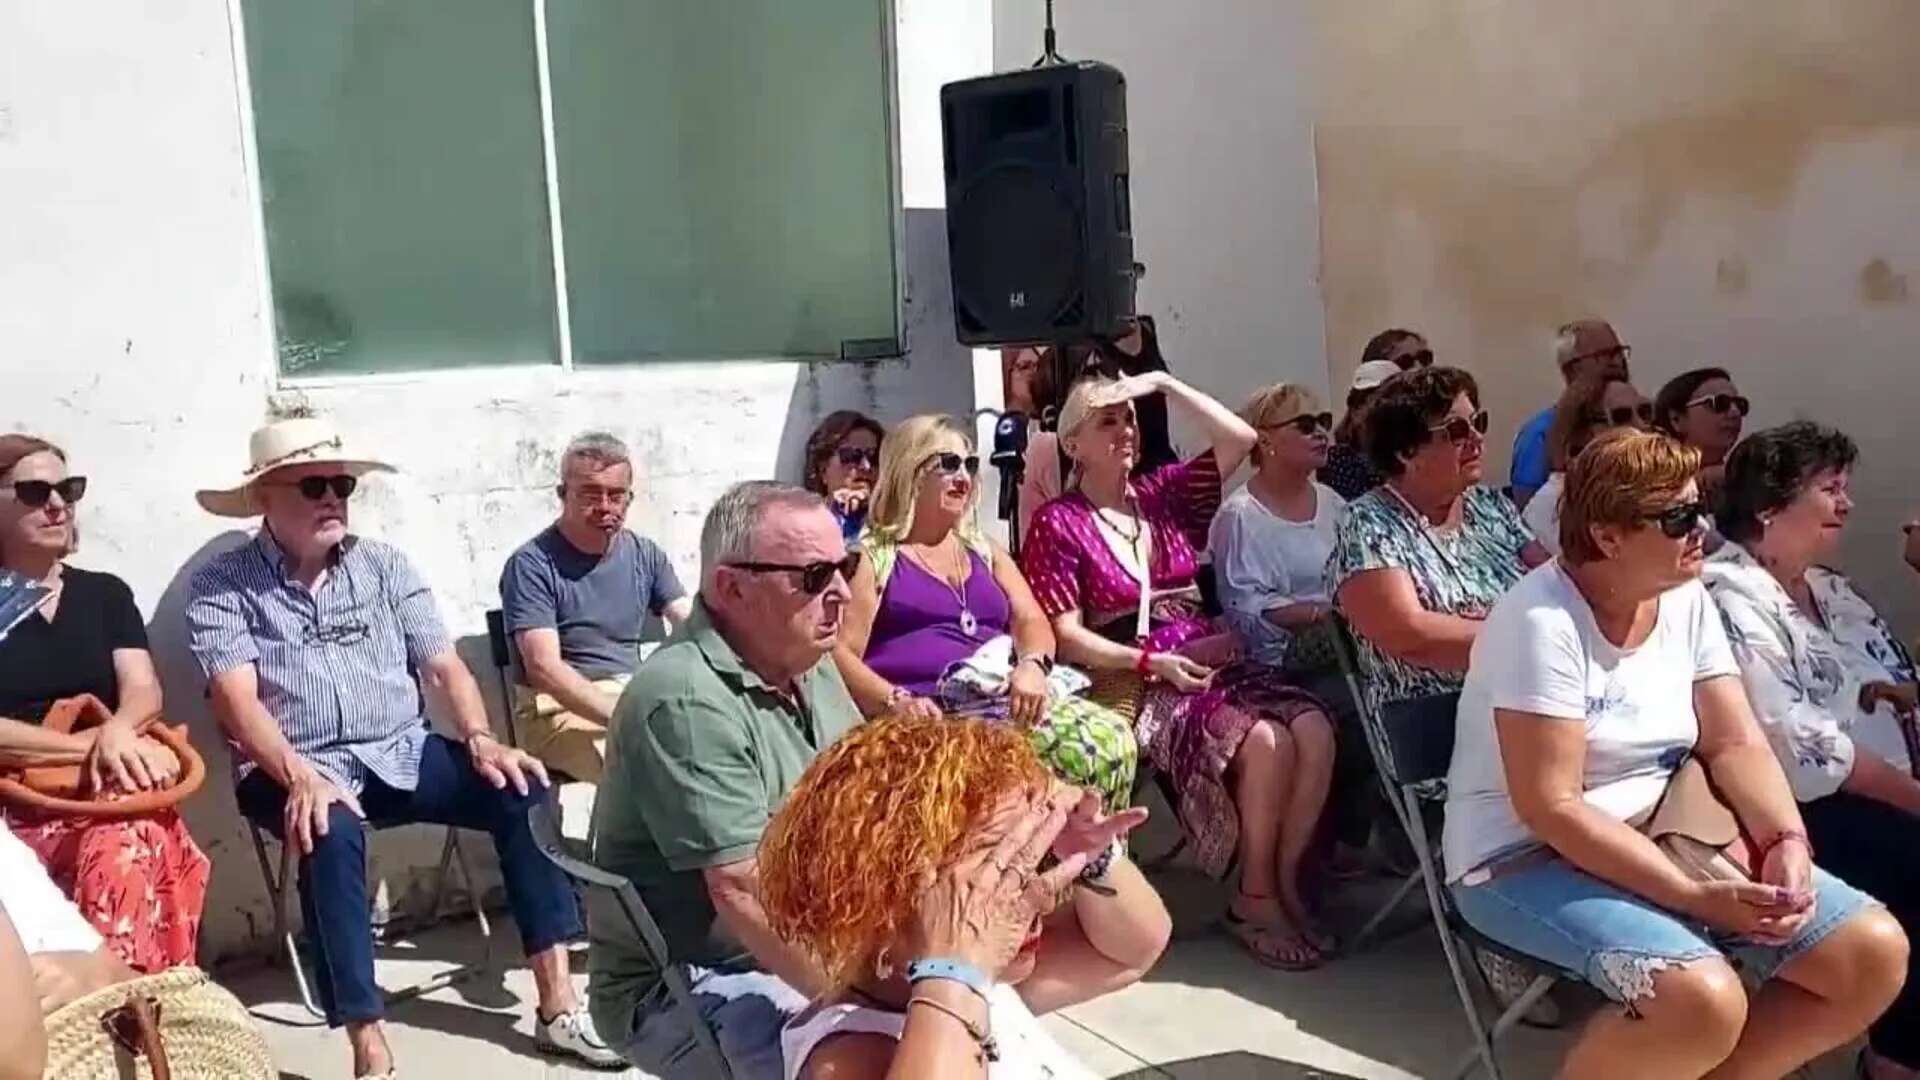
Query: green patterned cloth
(1461, 571)
(1089, 746)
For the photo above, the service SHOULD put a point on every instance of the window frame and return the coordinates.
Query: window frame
(874, 350)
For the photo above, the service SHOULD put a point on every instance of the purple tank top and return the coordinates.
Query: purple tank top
(916, 633)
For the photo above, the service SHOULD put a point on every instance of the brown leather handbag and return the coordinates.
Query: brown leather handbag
(1693, 826)
(63, 790)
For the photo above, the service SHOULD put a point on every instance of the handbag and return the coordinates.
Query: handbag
(1693, 827)
(1313, 650)
(63, 791)
(178, 1023)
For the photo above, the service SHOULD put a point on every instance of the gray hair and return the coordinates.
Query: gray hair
(727, 535)
(603, 448)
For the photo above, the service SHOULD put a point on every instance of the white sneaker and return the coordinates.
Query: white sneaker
(573, 1034)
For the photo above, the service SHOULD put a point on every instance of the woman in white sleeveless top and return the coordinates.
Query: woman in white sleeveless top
(950, 890)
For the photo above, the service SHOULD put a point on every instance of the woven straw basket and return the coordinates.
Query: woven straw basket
(205, 1033)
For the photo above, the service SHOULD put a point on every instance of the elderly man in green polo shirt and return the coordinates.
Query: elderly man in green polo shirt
(713, 731)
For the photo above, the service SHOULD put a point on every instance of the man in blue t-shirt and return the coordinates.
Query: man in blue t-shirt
(1581, 348)
(575, 599)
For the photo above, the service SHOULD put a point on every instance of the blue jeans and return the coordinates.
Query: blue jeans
(1619, 941)
(333, 880)
(746, 1011)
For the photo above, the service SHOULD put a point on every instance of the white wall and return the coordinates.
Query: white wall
(134, 329)
(1221, 146)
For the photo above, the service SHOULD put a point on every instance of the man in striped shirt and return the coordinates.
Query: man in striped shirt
(320, 648)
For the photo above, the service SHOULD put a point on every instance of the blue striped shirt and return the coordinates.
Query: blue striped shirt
(336, 665)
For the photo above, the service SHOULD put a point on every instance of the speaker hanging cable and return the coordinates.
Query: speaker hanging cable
(1049, 43)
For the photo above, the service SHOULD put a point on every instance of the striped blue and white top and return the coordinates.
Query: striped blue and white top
(336, 665)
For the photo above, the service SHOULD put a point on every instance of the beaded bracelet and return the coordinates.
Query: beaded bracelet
(988, 1046)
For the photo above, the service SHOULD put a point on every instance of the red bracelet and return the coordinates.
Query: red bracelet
(1140, 665)
(1782, 837)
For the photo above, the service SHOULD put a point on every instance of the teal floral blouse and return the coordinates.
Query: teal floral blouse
(1462, 571)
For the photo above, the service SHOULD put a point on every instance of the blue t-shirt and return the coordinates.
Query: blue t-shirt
(1530, 451)
(598, 603)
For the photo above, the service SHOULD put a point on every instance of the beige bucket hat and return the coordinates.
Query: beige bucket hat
(309, 440)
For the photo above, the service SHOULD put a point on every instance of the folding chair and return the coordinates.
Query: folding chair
(1412, 747)
(280, 888)
(597, 882)
(502, 651)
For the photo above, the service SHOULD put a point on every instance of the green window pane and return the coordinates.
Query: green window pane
(401, 168)
(725, 176)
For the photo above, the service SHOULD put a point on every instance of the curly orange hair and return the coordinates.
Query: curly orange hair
(844, 862)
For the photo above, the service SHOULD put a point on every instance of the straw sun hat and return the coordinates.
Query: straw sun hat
(308, 440)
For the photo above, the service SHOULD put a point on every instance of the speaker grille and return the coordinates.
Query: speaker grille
(1016, 247)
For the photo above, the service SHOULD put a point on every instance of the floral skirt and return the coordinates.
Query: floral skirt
(1089, 746)
(1192, 738)
(141, 882)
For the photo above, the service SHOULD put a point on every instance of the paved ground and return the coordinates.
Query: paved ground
(1208, 1010)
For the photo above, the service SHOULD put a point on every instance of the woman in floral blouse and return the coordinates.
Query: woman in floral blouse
(1113, 564)
(1831, 684)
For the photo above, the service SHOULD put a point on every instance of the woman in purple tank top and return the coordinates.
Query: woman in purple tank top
(933, 592)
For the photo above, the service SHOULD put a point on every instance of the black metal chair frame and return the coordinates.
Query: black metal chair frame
(542, 820)
(1412, 746)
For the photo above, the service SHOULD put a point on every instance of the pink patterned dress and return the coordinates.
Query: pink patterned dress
(1190, 737)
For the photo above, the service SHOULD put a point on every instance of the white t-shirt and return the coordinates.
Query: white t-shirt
(1265, 561)
(42, 916)
(1542, 515)
(1541, 652)
(1027, 1052)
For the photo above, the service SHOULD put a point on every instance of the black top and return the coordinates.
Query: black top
(42, 662)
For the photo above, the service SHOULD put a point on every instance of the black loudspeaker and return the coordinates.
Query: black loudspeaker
(1039, 227)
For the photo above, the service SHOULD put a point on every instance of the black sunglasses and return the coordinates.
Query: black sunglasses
(814, 576)
(315, 488)
(1409, 361)
(1307, 423)
(1623, 415)
(853, 457)
(1720, 403)
(35, 493)
(1622, 352)
(951, 463)
(1459, 429)
(1679, 522)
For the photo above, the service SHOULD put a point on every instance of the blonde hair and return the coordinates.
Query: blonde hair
(896, 488)
(1620, 479)
(1276, 404)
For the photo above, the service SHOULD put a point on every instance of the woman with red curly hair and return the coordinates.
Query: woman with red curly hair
(950, 890)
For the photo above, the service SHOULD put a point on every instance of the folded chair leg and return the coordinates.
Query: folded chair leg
(1429, 875)
(279, 889)
(1400, 894)
(452, 855)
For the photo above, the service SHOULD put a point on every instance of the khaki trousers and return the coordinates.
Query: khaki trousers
(564, 740)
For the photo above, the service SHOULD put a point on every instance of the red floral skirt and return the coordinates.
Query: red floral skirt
(141, 882)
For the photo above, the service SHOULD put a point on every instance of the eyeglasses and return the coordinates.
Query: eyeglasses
(1679, 522)
(35, 493)
(1622, 415)
(814, 576)
(1720, 403)
(1307, 423)
(315, 488)
(594, 496)
(1618, 352)
(1459, 428)
(1409, 361)
(853, 457)
(951, 463)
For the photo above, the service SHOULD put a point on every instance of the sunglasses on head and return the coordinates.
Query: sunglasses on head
(1720, 403)
(853, 457)
(951, 463)
(1307, 423)
(1679, 522)
(35, 493)
(315, 488)
(1409, 361)
(1622, 415)
(1459, 429)
(814, 576)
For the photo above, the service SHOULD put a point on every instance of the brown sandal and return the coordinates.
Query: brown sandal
(1286, 951)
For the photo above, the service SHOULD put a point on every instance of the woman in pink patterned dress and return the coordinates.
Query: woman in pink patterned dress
(141, 881)
(1112, 562)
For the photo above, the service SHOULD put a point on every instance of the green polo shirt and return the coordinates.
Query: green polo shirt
(700, 753)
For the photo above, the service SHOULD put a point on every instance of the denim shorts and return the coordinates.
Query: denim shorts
(1619, 941)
